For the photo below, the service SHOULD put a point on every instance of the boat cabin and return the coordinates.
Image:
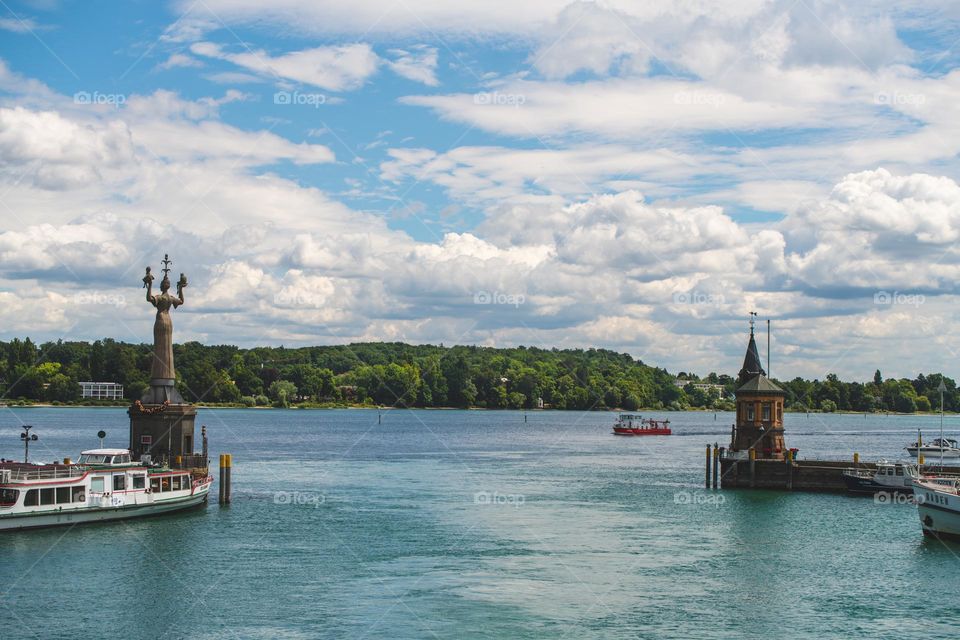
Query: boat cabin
(105, 457)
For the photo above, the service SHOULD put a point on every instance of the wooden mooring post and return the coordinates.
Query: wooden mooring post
(716, 463)
(788, 459)
(707, 476)
(226, 462)
(753, 467)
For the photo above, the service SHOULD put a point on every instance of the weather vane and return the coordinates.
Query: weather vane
(753, 316)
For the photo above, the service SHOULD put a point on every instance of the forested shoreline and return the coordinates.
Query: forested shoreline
(427, 376)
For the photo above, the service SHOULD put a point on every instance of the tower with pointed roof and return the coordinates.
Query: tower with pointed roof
(760, 402)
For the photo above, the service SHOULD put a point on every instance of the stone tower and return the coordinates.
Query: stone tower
(759, 409)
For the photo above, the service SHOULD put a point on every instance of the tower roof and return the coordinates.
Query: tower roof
(760, 385)
(751, 361)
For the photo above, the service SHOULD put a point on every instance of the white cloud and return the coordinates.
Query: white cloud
(179, 60)
(334, 68)
(419, 64)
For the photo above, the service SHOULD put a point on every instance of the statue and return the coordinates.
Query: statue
(162, 368)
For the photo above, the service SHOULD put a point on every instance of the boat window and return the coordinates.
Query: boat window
(139, 482)
(96, 484)
(154, 484)
(63, 495)
(8, 497)
(119, 482)
(78, 495)
(899, 471)
(32, 498)
(175, 483)
(165, 484)
(47, 496)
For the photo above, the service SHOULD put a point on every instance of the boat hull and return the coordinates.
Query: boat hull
(86, 516)
(857, 484)
(618, 431)
(931, 453)
(939, 511)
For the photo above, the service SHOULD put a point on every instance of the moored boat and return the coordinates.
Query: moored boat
(945, 447)
(103, 485)
(888, 477)
(634, 425)
(938, 504)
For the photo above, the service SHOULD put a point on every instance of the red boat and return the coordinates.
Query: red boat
(632, 425)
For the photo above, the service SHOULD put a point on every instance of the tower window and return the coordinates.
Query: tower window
(750, 413)
(766, 411)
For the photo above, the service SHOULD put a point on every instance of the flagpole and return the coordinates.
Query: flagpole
(941, 388)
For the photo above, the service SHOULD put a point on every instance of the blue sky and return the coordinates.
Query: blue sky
(631, 175)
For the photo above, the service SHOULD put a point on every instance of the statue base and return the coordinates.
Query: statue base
(162, 390)
(164, 430)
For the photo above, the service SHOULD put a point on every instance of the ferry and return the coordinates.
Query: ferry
(634, 425)
(889, 477)
(103, 485)
(938, 505)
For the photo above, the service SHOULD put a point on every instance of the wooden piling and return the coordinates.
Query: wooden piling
(226, 462)
(707, 481)
(753, 467)
(788, 459)
(716, 463)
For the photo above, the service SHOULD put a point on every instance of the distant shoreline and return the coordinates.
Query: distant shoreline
(46, 405)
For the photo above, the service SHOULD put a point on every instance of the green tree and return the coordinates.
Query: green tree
(282, 392)
(62, 388)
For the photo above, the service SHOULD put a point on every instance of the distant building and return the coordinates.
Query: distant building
(101, 390)
(703, 386)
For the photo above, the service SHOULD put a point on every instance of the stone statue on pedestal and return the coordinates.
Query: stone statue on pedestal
(161, 422)
(162, 373)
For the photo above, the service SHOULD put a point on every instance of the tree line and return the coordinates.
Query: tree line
(402, 375)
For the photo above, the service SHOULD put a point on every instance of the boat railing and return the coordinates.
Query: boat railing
(20, 474)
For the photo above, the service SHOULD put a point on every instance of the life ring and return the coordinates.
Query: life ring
(81, 497)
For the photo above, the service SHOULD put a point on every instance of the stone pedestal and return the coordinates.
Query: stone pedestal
(162, 425)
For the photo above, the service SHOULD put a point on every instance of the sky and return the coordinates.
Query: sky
(637, 176)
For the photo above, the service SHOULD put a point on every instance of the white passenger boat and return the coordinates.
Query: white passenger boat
(103, 485)
(938, 504)
(947, 447)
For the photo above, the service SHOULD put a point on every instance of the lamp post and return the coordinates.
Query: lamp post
(26, 436)
(941, 389)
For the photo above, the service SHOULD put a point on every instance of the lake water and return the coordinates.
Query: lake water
(470, 524)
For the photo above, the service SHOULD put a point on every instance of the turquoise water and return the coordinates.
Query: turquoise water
(455, 524)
